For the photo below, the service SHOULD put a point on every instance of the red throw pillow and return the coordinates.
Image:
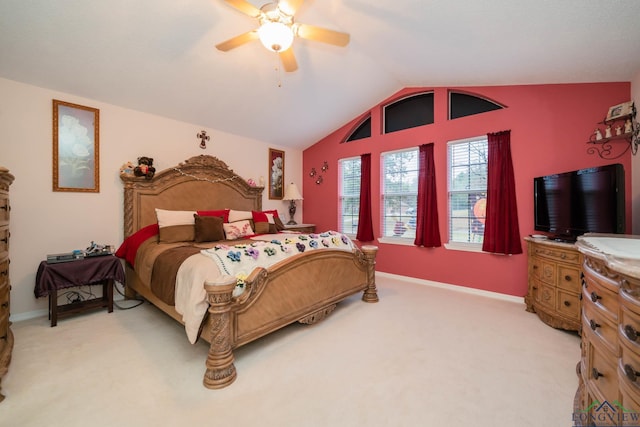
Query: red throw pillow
(276, 218)
(260, 217)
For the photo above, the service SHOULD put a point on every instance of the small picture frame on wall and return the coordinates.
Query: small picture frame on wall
(76, 160)
(620, 110)
(276, 174)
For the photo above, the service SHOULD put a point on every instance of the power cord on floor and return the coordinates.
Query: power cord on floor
(137, 300)
(80, 295)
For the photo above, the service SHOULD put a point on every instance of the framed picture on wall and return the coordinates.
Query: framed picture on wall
(276, 174)
(620, 110)
(76, 160)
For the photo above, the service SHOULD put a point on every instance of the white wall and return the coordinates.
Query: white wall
(45, 222)
(635, 165)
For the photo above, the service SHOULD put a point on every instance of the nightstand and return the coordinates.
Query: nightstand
(302, 228)
(88, 271)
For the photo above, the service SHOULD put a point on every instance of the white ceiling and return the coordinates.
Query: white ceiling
(158, 56)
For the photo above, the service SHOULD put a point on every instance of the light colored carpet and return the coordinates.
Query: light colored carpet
(421, 356)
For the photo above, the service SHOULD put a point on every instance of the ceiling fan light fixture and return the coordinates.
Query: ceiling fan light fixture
(276, 36)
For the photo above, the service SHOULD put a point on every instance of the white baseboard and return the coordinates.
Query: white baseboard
(28, 315)
(464, 289)
(42, 312)
(495, 295)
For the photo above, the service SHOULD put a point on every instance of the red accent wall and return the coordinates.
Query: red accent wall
(550, 125)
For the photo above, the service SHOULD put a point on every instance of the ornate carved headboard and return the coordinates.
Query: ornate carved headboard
(199, 183)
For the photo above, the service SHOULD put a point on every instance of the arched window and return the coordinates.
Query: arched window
(464, 104)
(362, 131)
(412, 111)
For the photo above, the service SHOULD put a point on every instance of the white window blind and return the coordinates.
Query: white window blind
(467, 189)
(399, 193)
(349, 191)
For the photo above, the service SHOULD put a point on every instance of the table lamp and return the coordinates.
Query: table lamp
(292, 194)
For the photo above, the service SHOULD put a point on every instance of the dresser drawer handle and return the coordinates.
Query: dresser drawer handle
(5, 305)
(631, 373)
(4, 337)
(630, 332)
(595, 374)
(567, 278)
(4, 273)
(593, 324)
(5, 207)
(595, 297)
(567, 303)
(5, 240)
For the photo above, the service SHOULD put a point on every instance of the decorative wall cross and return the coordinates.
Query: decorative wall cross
(203, 139)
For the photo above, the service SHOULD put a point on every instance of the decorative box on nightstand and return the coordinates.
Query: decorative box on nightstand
(302, 228)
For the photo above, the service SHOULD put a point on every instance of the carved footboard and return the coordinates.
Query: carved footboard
(305, 288)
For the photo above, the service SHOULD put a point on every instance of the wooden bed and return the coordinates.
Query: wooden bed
(304, 288)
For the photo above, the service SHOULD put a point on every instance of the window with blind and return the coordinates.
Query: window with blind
(467, 189)
(399, 193)
(349, 198)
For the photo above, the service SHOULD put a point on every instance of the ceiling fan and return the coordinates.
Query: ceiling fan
(277, 30)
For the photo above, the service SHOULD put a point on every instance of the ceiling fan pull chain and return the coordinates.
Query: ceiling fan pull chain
(278, 71)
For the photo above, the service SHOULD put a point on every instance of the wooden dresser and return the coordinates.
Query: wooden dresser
(6, 337)
(554, 282)
(609, 367)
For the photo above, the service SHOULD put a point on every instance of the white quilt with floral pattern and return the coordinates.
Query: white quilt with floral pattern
(240, 260)
(218, 263)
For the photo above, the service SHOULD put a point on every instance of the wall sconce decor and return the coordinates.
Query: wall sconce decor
(313, 173)
(203, 139)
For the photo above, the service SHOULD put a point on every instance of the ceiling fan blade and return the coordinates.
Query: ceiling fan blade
(319, 34)
(237, 40)
(290, 7)
(245, 7)
(288, 60)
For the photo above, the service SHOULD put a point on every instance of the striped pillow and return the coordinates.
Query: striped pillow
(175, 226)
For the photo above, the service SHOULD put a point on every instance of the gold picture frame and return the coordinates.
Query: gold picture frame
(76, 154)
(276, 174)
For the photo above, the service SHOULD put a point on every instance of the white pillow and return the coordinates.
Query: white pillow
(168, 218)
(239, 215)
(238, 229)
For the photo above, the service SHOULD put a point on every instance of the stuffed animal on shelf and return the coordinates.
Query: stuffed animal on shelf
(145, 167)
(127, 168)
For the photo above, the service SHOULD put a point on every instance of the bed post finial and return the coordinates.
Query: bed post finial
(220, 368)
(371, 293)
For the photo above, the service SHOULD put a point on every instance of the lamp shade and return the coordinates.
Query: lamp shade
(292, 193)
(275, 36)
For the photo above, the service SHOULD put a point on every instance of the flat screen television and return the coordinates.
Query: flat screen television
(570, 204)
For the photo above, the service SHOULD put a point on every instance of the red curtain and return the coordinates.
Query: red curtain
(427, 228)
(365, 224)
(501, 232)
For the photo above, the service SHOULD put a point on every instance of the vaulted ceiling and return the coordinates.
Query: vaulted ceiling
(158, 56)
